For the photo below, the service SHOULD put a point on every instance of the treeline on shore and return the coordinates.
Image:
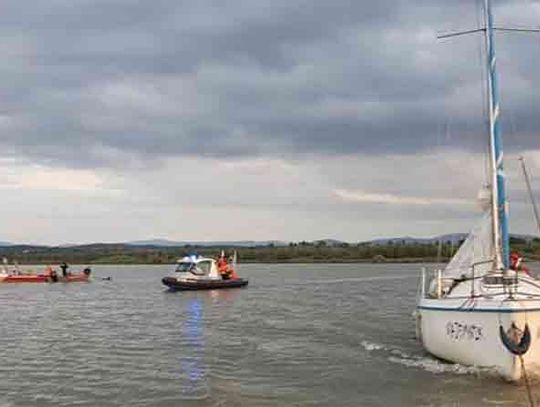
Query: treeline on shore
(303, 252)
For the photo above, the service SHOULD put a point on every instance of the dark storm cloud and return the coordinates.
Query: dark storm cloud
(116, 79)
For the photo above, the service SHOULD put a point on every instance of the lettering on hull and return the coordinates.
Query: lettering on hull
(459, 331)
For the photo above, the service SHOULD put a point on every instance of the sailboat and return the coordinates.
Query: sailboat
(483, 309)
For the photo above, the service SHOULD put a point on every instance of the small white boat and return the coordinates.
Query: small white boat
(204, 273)
(483, 309)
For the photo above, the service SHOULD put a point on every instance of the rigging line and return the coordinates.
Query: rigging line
(447, 131)
(526, 380)
(529, 190)
(511, 133)
(464, 303)
(443, 130)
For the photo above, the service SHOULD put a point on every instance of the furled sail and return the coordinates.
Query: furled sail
(476, 251)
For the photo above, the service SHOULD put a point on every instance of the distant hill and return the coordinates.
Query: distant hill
(454, 238)
(233, 243)
(330, 242)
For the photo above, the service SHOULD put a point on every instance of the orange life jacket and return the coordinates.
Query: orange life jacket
(222, 265)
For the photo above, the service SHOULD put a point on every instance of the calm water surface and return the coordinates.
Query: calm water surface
(299, 335)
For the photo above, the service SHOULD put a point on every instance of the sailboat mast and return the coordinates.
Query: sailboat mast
(499, 202)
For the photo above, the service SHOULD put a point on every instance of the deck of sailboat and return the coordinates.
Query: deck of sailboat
(513, 294)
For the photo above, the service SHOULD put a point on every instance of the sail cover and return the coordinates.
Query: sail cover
(476, 250)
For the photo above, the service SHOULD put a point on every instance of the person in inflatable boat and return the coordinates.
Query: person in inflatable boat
(226, 271)
(64, 266)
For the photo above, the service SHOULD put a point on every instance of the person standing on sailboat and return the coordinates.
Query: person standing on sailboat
(516, 263)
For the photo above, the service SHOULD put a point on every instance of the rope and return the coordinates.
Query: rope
(524, 371)
(527, 384)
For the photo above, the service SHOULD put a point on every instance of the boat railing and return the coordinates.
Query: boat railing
(425, 284)
(421, 289)
(473, 271)
(440, 285)
(434, 286)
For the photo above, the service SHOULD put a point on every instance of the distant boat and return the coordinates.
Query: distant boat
(49, 275)
(204, 273)
(483, 309)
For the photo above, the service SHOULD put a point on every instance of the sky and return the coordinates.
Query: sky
(292, 120)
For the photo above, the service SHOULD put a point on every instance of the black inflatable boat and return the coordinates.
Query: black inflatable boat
(202, 284)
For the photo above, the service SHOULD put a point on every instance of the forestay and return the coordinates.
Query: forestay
(476, 250)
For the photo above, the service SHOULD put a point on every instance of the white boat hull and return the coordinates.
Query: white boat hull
(470, 335)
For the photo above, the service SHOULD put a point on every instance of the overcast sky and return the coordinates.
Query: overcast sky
(255, 119)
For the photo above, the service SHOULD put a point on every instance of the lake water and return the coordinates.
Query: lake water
(299, 335)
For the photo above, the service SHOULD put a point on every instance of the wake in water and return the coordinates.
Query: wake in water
(425, 362)
(358, 279)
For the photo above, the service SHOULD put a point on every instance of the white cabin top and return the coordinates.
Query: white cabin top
(197, 267)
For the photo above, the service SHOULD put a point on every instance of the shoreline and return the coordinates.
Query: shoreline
(299, 262)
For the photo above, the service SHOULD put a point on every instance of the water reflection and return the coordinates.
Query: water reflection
(192, 356)
(224, 298)
(195, 348)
